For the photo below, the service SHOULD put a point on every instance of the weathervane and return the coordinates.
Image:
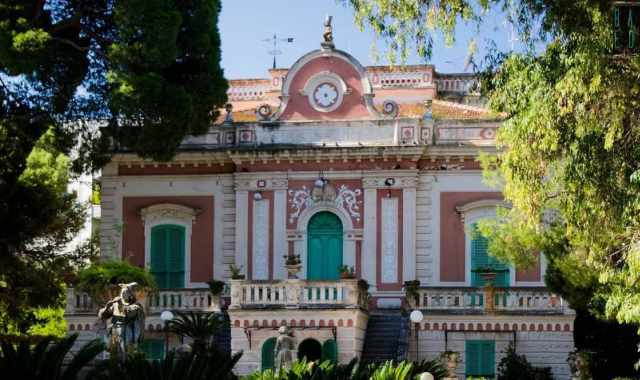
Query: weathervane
(275, 52)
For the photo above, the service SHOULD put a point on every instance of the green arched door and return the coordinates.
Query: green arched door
(324, 246)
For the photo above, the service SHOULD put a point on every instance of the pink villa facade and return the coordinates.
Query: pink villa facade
(374, 167)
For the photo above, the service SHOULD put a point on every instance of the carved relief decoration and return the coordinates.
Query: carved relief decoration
(168, 210)
(349, 200)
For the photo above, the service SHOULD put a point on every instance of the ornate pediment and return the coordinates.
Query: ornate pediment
(168, 210)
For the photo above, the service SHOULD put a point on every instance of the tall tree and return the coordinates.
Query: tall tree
(146, 71)
(569, 161)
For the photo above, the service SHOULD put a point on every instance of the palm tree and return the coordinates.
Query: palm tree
(200, 327)
(44, 361)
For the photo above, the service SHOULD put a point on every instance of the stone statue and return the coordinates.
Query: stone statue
(228, 118)
(127, 320)
(327, 34)
(285, 345)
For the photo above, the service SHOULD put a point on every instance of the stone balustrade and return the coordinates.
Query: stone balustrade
(296, 294)
(165, 299)
(516, 300)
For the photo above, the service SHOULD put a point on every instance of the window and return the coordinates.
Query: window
(168, 256)
(153, 348)
(480, 358)
(481, 261)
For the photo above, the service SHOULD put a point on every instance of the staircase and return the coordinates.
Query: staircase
(387, 337)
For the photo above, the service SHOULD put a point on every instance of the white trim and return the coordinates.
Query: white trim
(389, 239)
(369, 237)
(409, 263)
(280, 245)
(261, 240)
(242, 213)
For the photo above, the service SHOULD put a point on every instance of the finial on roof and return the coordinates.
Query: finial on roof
(327, 35)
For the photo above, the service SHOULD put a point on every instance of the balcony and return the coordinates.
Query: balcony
(297, 294)
(505, 300)
(79, 303)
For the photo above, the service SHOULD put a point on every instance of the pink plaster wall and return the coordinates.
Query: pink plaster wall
(201, 235)
(452, 253)
(353, 105)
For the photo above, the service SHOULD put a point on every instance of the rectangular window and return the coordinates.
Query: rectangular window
(480, 358)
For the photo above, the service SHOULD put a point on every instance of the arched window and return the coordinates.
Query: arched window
(482, 266)
(482, 262)
(268, 348)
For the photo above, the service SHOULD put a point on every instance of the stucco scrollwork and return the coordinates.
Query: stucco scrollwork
(168, 210)
(348, 199)
(345, 198)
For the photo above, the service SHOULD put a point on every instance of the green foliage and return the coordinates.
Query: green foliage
(216, 287)
(569, 146)
(200, 327)
(517, 367)
(100, 278)
(39, 219)
(45, 359)
(210, 364)
(147, 71)
(327, 370)
(49, 322)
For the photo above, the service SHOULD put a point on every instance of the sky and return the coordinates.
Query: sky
(245, 24)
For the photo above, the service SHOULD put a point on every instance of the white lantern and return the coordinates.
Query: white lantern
(416, 316)
(166, 316)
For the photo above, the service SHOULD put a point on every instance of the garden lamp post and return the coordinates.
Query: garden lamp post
(166, 316)
(416, 317)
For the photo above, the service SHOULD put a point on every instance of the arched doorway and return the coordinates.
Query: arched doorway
(324, 246)
(310, 349)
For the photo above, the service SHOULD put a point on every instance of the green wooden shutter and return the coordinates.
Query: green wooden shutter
(268, 348)
(472, 358)
(153, 348)
(175, 256)
(168, 255)
(158, 254)
(488, 358)
(480, 358)
(330, 351)
(480, 258)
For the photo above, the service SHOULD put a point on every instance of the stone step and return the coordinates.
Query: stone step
(386, 337)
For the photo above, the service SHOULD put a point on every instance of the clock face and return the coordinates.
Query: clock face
(325, 95)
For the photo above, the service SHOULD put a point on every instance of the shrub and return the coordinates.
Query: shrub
(210, 364)
(216, 287)
(99, 279)
(45, 360)
(303, 370)
(517, 367)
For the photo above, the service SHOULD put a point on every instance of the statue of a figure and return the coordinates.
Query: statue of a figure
(285, 345)
(228, 118)
(327, 34)
(127, 320)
